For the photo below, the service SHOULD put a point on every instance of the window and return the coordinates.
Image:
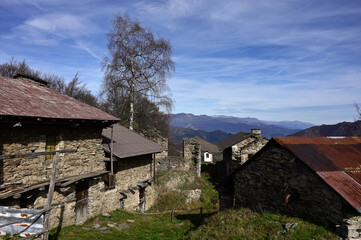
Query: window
(109, 181)
(50, 145)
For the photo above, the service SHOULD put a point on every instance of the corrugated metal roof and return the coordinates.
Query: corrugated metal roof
(21, 97)
(128, 143)
(233, 140)
(336, 160)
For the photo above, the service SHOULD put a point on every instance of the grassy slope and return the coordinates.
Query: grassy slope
(245, 224)
(233, 224)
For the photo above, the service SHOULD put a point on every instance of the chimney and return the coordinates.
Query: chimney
(32, 79)
(257, 132)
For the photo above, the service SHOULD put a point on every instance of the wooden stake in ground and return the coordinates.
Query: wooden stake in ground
(47, 207)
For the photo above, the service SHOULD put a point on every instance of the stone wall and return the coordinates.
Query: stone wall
(276, 181)
(131, 176)
(172, 163)
(163, 142)
(192, 155)
(63, 213)
(240, 153)
(88, 158)
(130, 171)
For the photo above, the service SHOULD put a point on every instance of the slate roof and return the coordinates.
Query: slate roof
(233, 140)
(336, 160)
(128, 143)
(24, 98)
(207, 146)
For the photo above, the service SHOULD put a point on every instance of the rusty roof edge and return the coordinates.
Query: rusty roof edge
(349, 201)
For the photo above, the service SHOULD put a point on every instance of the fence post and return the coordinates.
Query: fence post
(171, 216)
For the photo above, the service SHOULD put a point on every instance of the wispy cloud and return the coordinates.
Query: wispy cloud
(274, 59)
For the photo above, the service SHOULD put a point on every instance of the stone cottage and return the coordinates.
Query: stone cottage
(237, 149)
(316, 177)
(134, 166)
(35, 119)
(209, 151)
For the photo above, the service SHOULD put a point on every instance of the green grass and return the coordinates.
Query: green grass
(245, 224)
(143, 227)
(231, 224)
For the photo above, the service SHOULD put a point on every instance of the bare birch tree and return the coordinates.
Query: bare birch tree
(137, 66)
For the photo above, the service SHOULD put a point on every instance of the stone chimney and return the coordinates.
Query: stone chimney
(256, 132)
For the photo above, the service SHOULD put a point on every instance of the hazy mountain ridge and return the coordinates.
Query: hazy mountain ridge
(346, 129)
(178, 133)
(284, 124)
(234, 125)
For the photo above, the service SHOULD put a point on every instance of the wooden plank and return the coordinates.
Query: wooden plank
(63, 182)
(77, 178)
(35, 154)
(50, 197)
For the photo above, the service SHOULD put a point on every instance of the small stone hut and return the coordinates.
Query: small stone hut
(238, 148)
(317, 177)
(35, 119)
(209, 151)
(134, 167)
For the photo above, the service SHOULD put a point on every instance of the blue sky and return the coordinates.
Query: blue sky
(273, 60)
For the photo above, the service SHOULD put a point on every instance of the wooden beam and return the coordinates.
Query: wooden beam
(35, 154)
(111, 151)
(47, 207)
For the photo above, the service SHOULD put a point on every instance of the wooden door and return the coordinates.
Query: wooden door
(81, 206)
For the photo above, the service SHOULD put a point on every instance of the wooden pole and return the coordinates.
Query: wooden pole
(47, 207)
(171, 216)
(111, 151)
(154, 167)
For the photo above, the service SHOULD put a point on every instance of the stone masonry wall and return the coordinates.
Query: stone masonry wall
(88, 158)
(63, 213)
(278, 182)
(242, 151)
(171, 162)
(192, 155)
(163, 142)
(129, 172)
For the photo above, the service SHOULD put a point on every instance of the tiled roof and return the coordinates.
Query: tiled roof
(23, 98)
(336, 160)
(128, 143)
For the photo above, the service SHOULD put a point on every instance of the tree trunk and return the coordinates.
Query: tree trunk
(131, 118)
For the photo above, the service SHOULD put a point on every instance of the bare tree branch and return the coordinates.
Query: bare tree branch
(137, 67)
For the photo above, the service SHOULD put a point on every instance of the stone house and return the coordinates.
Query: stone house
(35, 119)
(314, 177)
(238, 148)
(209, 151)
(134, 165)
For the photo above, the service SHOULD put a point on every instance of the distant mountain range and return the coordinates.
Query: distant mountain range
(178, 133)
(346, 129)
(233, 125)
